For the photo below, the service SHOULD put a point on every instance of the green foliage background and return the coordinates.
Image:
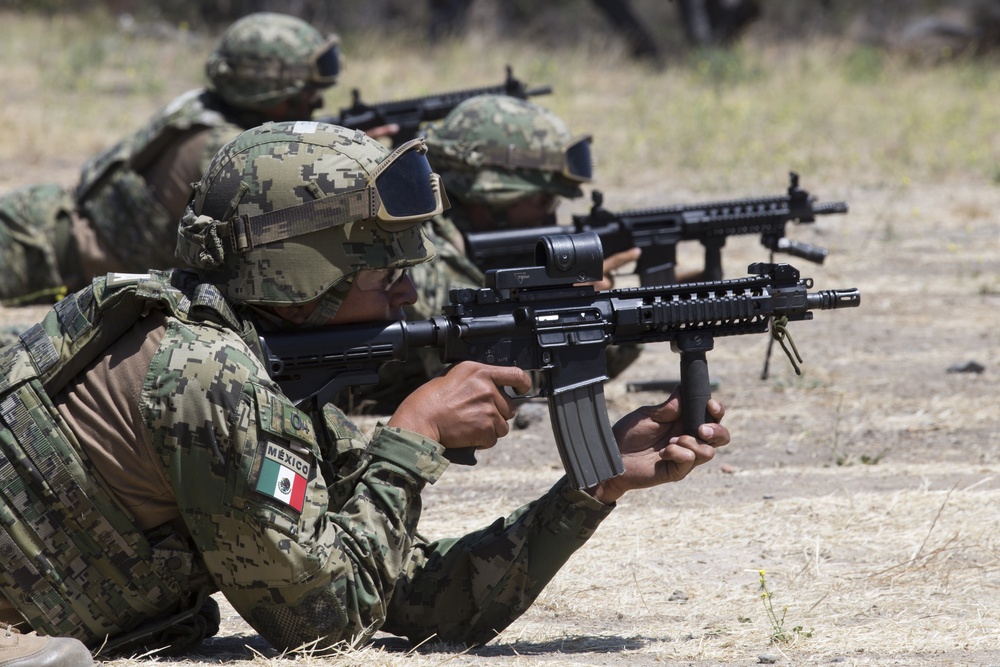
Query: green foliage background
(554, 20)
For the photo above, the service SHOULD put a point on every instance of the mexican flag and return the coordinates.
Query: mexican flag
(282, 483)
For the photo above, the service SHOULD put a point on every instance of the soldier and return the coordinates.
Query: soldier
(123, 214)
(506, 163)
(151, 460)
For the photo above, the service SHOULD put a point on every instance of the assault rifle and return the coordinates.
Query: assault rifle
(658, 230)
(410, 114)
(541, 318)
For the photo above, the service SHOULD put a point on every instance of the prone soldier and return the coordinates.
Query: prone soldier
(151, 460)
(123, 214)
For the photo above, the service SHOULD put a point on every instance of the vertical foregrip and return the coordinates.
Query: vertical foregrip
(696, 391)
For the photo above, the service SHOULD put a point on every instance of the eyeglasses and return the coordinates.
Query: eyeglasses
(573, 161)
(325, 62)
(382, 280)
(401, 190)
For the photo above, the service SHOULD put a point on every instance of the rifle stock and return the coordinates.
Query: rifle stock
(657, 231)
(410, 114)
(542, 319)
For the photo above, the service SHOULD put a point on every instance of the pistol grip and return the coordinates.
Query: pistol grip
(464, 456)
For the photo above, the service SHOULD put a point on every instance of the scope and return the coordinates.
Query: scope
(561, 259)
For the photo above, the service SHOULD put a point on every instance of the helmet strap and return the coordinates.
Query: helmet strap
(329, 303)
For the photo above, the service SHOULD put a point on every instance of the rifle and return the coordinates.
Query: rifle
(541, 318)
(410, 114)
(658, 230)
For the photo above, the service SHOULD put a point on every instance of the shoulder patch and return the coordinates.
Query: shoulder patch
(283, 475)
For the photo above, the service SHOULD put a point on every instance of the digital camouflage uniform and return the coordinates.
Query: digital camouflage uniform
(463, 148)
(123, 213)
(307, 527)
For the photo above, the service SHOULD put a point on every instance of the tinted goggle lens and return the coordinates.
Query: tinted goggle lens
(326, 66)
(405, 186)
(579, 164)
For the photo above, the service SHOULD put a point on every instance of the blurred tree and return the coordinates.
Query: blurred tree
(706, 22)
(450, 17)
(716, 22)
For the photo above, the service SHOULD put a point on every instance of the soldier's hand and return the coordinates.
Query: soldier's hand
(383, 131)
(655, 451)
(612, 264)
(464, 407)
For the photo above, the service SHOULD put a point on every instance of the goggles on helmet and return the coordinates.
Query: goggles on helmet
(401, 190)
(325, 62)
(573, 161)
(404, 186)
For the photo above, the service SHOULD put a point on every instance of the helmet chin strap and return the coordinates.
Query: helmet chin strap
(329, 303)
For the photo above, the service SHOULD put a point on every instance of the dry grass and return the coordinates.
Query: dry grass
(891, 563)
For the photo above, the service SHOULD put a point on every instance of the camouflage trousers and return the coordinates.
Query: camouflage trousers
(35, 224)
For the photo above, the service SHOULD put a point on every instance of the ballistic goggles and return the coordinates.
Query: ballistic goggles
(401, 190)
(573, 161)
(324, 64)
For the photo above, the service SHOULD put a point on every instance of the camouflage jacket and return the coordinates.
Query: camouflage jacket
(113, 192)
(305, 525)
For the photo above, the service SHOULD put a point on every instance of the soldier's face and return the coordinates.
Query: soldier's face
(533, 211)
(360, 305)
(298, 107)
(376, 305)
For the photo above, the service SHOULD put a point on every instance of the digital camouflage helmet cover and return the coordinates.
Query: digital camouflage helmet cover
(266, 58)
(498, 149)
(289, 211)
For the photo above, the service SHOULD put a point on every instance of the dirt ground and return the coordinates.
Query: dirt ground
(867, 489)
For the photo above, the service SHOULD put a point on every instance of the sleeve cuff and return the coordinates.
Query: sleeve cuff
(412, 452)
(578, 512)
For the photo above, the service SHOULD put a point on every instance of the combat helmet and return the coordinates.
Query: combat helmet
(497, 149)
(266, 58)
(287, 212)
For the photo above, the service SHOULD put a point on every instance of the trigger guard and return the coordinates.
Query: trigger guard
(516, 397)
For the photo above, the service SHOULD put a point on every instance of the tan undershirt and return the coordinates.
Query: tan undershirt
(171, 174)
(169, 178)
(102, 407)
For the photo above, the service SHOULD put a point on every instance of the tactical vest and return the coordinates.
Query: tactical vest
(74, 564)
(113, 194)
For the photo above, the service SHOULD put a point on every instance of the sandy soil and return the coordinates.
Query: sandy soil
(867, 489)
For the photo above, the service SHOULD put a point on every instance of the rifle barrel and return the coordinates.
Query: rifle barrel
(830, 299)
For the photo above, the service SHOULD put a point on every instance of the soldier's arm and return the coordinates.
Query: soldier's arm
(304, 527)
(469, 589)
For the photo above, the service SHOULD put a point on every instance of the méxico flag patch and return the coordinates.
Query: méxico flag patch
(283, 476)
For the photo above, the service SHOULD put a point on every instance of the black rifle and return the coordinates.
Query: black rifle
(410, 114)
(540, 318)
(658, 230)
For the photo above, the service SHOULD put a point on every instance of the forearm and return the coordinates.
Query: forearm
(338, 573)
(469, 589)
(318, 563)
